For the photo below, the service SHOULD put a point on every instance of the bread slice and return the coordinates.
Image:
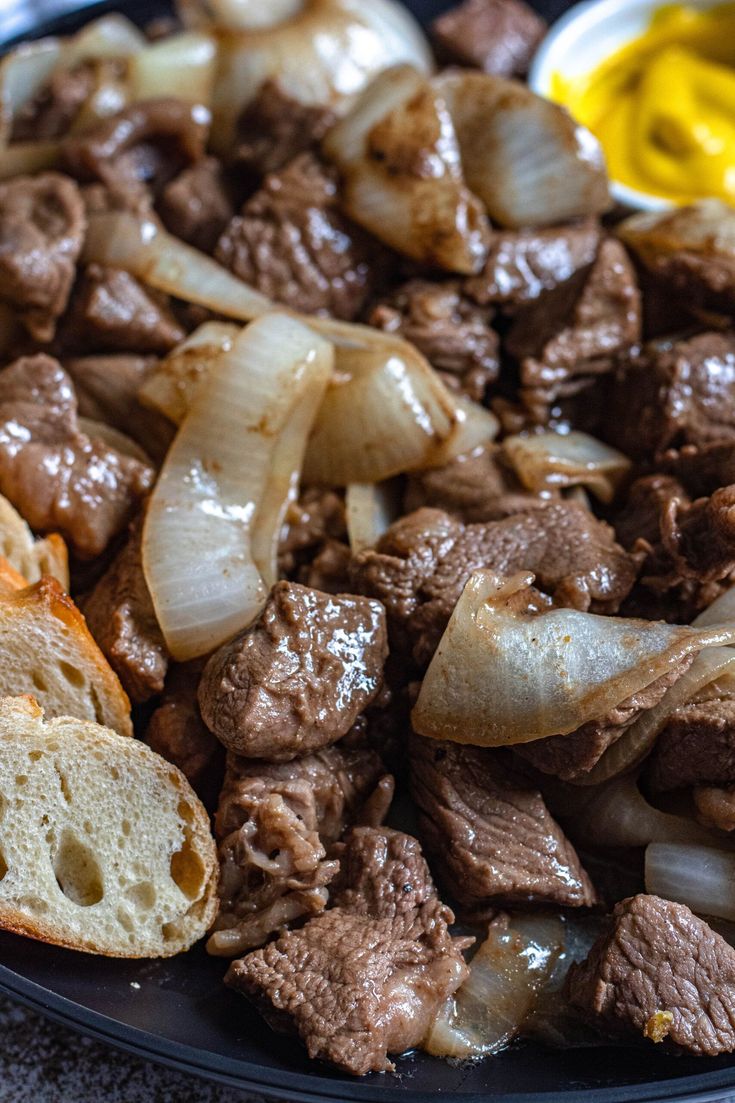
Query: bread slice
(47, 650)
(32, 558)
(10, 579)
(104, 846)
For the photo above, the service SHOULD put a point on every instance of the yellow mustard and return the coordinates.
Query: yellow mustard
(663, 106)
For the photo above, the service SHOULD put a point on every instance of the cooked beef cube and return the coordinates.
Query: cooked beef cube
(329, 570)
(701, 469)
(453, 333)
(196, 205)
(275, 824)
(122, 619)
(107, 390)
(292, 243)
(317, 517)
(52, 110)
(488, 834)
(142, 147)
(497, 36)
(572, 756)
(699, 538)
(298, 679)
(177, 732)
(647, 501)
(420, 566)
(674, 393)
(660, 972)
(366, 978)
(697, 746)
(275, 128)
(57, 477)
(715, 806)
(522, 264)
(573, 333)
(42, 225)
(110, 309)
(473, 487)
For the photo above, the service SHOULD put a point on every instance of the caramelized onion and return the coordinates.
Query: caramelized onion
(701, 877)
(171, 387)
(157, 70)
(525, 157)
(371, 509)
(213, 521)
(546, 460)
(401, 173)
(502, 675)
(704, 231)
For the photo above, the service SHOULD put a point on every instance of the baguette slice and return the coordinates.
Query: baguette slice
(47, 650)
(103, 845)
(32, 558)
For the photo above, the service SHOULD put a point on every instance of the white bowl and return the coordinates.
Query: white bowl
(579, 41)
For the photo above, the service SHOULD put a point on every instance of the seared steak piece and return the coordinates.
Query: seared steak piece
(420, 566)
(111, 310)
(298, 679)
(275, 825)
(122, 619)
(701, 469)
(366, 978)
(274, 129)
(697, 746)
(197, 205)
(675, 392)
(315, 519)
(488, 834)
(497, 36)
(453, 333)
(51, 111)
(42, 226)
(572, 334)
(639, 520)
(292, 243)
(57, 477)
(662, 973)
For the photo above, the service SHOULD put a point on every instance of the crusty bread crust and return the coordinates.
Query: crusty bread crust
(31, 558)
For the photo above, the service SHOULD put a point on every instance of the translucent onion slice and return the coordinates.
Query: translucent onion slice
(23, 72)
(216, 511)
(525, 157)
(171, 387)
(110, 36)
(371, 509)
(699, 876)
(545, 460)
(325, 54)
(142, 247)
(401, 173)
(506, 975)
(157, 70)
(704, 230)
(503, 676)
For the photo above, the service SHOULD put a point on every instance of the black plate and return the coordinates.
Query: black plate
(179, 1013)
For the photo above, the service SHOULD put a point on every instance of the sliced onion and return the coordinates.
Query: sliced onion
(525, 157)
(401, 173)
(506, 975)
(215, 514)
(705, 230)
(504, 676)
(110, 36)
(721, 611)
(157, 70)
(171, 387)
(139, 245)
(699, 876)
(371, 509)
(546, 460)
(23, 72)
(324, 55)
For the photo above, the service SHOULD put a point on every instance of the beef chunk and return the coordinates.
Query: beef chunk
(107, 390)
(292, 244)
(299, 678)
(420, 566)
(177, 732)
(497, 36)
(56, 476)
(661, 972)
(453, 333)
(697, 746)
(275, 128)
(490, 836)
(700, 469)
(142, 147)
(573, 333)
(715, 806)
(522, 264)
(42, 227)
(275, 824)
(329, 570)
(197, 206)
(640, 517)
(572, 756)
(474, 487)
(52, 110)
(675, 392)
(122, 619)
(366, 978)
(110, 309)
(316, 518)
